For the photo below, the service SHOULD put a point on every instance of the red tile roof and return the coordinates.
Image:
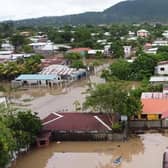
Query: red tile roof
(154, 106)
(163, 63)
(77, 122)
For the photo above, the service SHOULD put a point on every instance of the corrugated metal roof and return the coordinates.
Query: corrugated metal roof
(36, 77)
(159, 79)
(77, 122)
(154, 95)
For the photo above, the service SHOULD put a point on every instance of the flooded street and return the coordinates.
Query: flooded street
(145, 151)
(58, 100)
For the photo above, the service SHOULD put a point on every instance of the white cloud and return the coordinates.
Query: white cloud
(19, 9)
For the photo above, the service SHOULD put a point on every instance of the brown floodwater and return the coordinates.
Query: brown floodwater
(64, 101)
(145, 151)
(45, 101)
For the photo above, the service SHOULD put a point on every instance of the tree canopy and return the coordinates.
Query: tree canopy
(112, 98)
(18, 129)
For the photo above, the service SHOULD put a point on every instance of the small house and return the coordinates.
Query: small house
(165, 34)
(127, 51)
(162, 68)
(142, 33)
(151, 50)
(158, 43)
(37, 80)
(158, 79)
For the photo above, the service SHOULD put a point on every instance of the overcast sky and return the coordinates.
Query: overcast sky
(19, 9)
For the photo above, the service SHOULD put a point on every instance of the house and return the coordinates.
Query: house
(25, 33)
(52, 60)
(158, 79)
(158, 43)
(107, 49)
(77, 122)
(131, 34)
(142, 33)
(102, 42)
(39, 38)
(165, 34)
(132, 38)
(6, 55)
(155, 105)
(127, 51)
(37, 45)
(64, 71)
(162, 68)
(151, 51)
(107, 34)
(44, 48)
(37, 80)
(7, 46)
(93, 52)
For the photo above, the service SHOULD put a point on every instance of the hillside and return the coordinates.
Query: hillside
(128, 11)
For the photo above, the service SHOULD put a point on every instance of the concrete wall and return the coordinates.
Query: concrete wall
(143, 124)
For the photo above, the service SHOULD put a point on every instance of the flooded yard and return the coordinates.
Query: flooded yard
(44, 101)
(145, 151)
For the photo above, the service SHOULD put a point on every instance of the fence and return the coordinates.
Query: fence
(145, 124)
(87, 136)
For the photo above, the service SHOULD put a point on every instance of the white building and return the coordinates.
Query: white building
(158, 79)
(7, 47)
(151, 51)
(107, 34)
(131, 34)
(160, 43)
(142, 33)
(107, 49)
(93, 52)
(127, 51)
(165, 34)
(162, 68)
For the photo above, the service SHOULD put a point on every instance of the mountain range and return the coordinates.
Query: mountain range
(129, 11)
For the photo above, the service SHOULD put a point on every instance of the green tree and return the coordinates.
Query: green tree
(17, 41)
(77, 64)
(72, 56)
(121, 69)
(112, 98)
(82, 34)
(27, 49)
(26, 126)
(7, 144)
(143, 66)
(117, 49)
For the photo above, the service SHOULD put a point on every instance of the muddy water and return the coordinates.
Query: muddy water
(145, 151)
(45, 101)
(48, 103)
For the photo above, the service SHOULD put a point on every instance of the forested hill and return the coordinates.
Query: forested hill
(127, 11)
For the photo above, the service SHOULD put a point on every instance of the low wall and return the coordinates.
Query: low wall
(145, 124)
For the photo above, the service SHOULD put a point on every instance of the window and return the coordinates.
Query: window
(162, 68)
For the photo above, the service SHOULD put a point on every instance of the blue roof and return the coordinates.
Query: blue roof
(36, 77)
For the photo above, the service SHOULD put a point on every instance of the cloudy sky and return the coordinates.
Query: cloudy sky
(19, 9)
